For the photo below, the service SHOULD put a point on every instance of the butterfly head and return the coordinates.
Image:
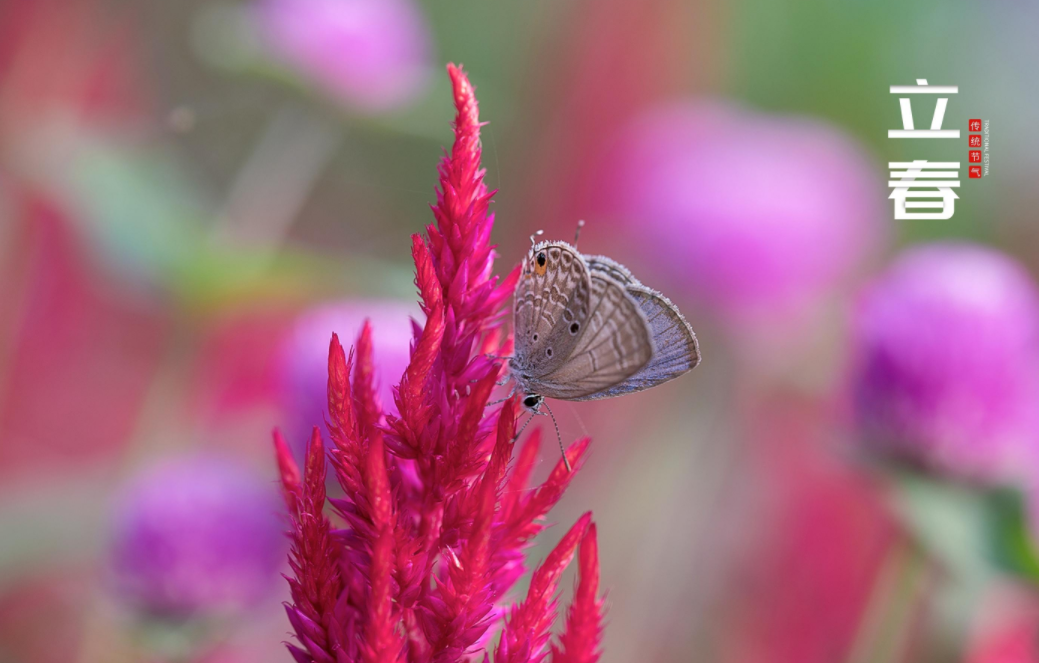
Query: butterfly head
(533, 402)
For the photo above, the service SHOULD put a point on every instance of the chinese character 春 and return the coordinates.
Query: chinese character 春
(933, 182)
(974, 141)
(909, 129)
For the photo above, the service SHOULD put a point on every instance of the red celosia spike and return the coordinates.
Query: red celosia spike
(425, 275)
(517, 486)
(581, 640)
(288, 472)
(314, 558)
(381, 642)
(462, 448)
(366, 400)
(527, 629)
(379, 496)
(467, 118)
(504, 441)
(414, 380)
(340, 404)
(522, 522)
(314, 469)
(465, 601)
(490, 485)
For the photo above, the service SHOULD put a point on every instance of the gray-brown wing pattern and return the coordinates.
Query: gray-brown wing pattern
(551, 297)
(614, 344)
(677, 351)
(611, 268)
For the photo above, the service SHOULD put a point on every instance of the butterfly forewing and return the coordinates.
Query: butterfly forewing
(552, 302)
(614, 344)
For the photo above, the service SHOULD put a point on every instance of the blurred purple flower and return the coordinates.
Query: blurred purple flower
(947, 352)
(754, 214)
(196, 534)
(304, 354)
(374, 55)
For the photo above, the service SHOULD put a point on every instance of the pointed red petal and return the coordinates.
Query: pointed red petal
(581, 641)
(340, 405)
(288, 472)
(366, 400)
(381, 643)
(527, 630)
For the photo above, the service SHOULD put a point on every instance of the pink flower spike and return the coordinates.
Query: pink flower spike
(382, 644)
(365, 395)
(316, 583)
(340, 403)
(288, 472)
(580, 642)
(434, 527)
(527, 631)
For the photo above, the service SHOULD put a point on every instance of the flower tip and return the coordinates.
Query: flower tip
(588, 556)
(287, 469)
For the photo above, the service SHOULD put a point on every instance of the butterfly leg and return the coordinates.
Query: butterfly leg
(502, 400)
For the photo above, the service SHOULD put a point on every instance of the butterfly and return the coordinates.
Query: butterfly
(585, 328)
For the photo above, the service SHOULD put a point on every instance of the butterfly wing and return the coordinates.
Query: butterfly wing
(551, 296)
(677, 350)
(614, 344)
(611, 268)
(674, 339)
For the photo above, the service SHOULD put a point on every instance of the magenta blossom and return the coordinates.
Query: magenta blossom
(196, 535)
(754, 215)
(373, 55)
(303, 363)
(437, 513)
(947, 361)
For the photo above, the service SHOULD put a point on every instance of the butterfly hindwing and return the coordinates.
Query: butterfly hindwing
(677, 351)
(614, 344)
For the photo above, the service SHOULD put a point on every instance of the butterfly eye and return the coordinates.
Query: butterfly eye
(574, 328)
(540, 261)
(530, 401)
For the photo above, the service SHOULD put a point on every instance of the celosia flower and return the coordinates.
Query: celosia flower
(757, 216)
(195, 535)
(304, 353)
(374, 55)
(436, 525)
(947, 345)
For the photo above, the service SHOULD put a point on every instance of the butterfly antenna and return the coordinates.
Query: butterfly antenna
(537, 234)
(577, 233)
(559, 437)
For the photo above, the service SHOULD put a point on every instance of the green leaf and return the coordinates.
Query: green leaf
(1011, 545)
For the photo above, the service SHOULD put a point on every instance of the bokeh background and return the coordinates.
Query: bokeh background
(194, 195)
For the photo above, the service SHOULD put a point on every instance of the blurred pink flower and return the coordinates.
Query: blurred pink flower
(821, 541)
(1007, 629)
(303, 356)
(71, 338)
(373, 55)
(755, 215)
(947, 361)
(196, 534)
